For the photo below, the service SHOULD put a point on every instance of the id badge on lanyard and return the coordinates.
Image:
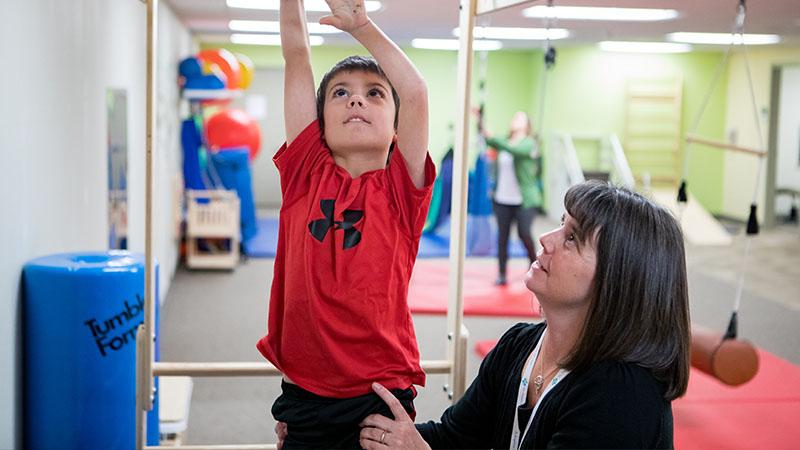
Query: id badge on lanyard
(522, 396)
(518, 435)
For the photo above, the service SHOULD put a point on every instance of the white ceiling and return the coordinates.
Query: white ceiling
(404, 20)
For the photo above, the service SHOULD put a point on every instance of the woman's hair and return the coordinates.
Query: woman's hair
(353, 64)
(639, 306)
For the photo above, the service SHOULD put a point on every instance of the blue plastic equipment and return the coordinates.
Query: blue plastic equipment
(191, 141)
(80, 316)
(233, 168)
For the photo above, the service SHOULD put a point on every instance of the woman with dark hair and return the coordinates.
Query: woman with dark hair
(517, 190)
(613, 352)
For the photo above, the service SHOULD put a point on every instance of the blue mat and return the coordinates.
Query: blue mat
(433, 246)
(264, 244)
(482, 241)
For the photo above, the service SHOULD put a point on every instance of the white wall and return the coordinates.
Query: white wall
(741, 169)
(59, 57)
(788, 154)
(267, 86)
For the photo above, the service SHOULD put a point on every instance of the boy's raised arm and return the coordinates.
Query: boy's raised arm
(412, 127)
(299, 100)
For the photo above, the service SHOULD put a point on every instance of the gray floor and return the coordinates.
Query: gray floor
(213, 316)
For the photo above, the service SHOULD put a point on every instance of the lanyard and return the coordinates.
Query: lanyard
(522, 395)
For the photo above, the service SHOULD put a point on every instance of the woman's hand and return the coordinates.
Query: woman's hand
(282, 430)
(381, 433)
(346, 15)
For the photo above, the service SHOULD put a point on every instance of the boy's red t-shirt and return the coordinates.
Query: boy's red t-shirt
(338, 312)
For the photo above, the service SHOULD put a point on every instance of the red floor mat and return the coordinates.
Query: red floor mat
(763, 413)
(750, 425)
(427, 292)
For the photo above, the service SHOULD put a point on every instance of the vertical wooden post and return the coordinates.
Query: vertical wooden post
(141, 388)
(459, 369)
(146, 334)
(455, 309)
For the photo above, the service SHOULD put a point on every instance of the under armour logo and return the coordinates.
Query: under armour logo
(319, 228)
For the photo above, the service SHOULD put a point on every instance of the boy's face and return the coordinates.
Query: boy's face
(359, 112)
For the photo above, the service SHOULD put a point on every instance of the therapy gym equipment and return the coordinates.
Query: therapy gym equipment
(455, 363)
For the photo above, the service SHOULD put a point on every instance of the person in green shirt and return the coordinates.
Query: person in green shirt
(517, 189)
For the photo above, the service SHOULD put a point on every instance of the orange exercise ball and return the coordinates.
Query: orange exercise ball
(233, 128)
(226, 62)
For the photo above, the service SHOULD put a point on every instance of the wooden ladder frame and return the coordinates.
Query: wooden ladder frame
(454, 365)
(665, 93)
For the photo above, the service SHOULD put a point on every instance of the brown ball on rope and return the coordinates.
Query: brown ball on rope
(731, 361)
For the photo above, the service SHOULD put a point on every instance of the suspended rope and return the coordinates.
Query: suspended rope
(549, 62)
(729, 360)
(483, 58)
(682, 195)
(752, 220)
(483, 63)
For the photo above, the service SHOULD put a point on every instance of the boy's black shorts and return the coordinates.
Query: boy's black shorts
(330, 423)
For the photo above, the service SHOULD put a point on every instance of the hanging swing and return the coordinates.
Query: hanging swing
(730, 360)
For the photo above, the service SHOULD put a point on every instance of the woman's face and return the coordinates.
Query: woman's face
(563, 273)
(519, 122)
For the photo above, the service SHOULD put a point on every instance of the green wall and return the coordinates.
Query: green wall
(585, 94)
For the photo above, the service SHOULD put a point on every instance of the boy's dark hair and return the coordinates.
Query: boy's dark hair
(353, 64)
(639, 310)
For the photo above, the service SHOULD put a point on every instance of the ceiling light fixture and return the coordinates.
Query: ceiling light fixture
(644, 47)
(724, 38)
(311, 5)
(598, 13)
(453, 44)
(268, 39)
(539, 34)
(266, 26)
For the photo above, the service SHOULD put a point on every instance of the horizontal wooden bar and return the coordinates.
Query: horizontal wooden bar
(437, 366)
(215, 369)
(723, 145)
(254, 369)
